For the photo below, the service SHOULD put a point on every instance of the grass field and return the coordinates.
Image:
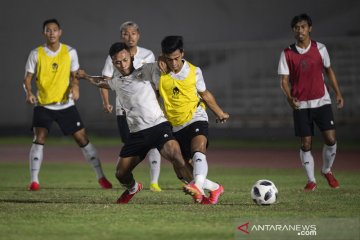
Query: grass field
(72, 206)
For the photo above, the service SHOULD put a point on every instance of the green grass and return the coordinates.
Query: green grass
(70, 204)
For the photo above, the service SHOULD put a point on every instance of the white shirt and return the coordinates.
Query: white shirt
(137, 97)
(200, 114)
(142, 56)
(283, 69)
(74, 66)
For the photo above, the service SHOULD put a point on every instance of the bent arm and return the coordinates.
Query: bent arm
(210, 101)
(335, 86)
(30, 97)
(98, 81)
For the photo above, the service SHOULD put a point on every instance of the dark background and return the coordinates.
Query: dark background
(236, 43)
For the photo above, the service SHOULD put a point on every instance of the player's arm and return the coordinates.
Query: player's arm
(104, 93)
(30, 97)
(74, 86)
(210, 101)
(285, 86)
(95, 80)
(335, 86)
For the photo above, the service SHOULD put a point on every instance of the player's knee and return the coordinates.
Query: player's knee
(330, 141)
(306, 147)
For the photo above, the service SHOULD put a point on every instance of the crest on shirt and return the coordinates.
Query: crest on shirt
(176, 92)
(55, 67)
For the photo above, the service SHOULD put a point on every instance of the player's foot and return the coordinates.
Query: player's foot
(104, 183)
(310, 186)
(154, 187)
(331, 179)
(34, 186)
(126, 196)
(214, 195)
(194, 191)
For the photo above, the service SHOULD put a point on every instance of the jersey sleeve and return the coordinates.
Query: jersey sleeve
(200, 82)
(283, 68)
(74, 65)
(31, 62)
(108, 70)
(324, 55)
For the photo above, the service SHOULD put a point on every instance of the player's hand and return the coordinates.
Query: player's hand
(30, 98)
(294, 103)
(107, 108)
(339, 102)
(222, 118)
(75, 93)
(162, 65)
(81, 74)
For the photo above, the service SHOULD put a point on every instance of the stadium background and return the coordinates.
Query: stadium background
(236, 43)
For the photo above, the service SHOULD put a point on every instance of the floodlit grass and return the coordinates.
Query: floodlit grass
(70, 204)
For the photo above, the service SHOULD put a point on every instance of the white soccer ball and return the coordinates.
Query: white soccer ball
(264, 192)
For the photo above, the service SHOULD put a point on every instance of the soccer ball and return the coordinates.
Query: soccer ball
(264, 192)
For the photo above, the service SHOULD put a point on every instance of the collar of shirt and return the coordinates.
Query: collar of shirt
(303, 50)
(183, 73)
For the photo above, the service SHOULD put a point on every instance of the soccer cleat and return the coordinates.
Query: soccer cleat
(214, 195)
(310, 186)
(34, 186)
(331, 179)
(154, 187)
(193, 190)
(205, 201)
(104, 183)
(126, 196)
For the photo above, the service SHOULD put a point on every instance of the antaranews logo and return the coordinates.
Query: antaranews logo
(298, 229)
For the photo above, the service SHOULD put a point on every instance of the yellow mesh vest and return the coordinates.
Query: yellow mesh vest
(53, 76)
(180, 97)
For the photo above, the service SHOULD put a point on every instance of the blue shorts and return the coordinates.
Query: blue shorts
(304, 120)
(68, 119)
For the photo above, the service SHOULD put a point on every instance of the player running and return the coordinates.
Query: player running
(55, 64)
(147, 123)
(184, 93)
(301, 68)
(130, 35)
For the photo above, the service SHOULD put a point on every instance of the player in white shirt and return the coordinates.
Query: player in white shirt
(301, 68)
(148, 126)
(130, 34)
(55, 64)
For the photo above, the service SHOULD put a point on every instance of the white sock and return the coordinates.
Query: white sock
(200, 169)
(307, 161)
(210, 185)
(90, 154)
(134, 188)
(35, 158)
(328, 154)
(154, 159)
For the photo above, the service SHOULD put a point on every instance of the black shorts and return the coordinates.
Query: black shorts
(68, 119)
(139, 143)
(123, 128)
(185, 135)
(304, 120)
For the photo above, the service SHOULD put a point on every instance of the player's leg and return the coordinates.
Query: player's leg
(325, 121)
(42, 121)
(91, 155)
(70, 123)
(36, 157)
(304, 128)
(124, 169)
(154, 159)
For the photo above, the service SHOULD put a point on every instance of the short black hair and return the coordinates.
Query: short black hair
(299, 18)
(172, 43)
(52, 20)
(117, 47)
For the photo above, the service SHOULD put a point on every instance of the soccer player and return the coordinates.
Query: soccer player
(147, 123)
(301, 69)
(130, 35)
(184, 94)
(55, 64)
